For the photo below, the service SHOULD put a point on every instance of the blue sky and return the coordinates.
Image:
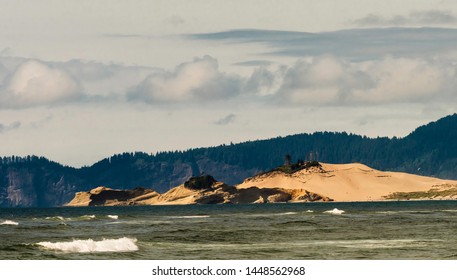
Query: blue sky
(82, 80)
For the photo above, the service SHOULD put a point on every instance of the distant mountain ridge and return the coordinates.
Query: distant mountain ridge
(32, 181)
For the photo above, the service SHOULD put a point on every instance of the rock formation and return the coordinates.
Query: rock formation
(197, 190)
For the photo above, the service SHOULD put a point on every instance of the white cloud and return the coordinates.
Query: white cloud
(30, 83)
(106, 81)
(35, 83)
(333, 81)
(322, 80)
(407, 80)
(199, 80)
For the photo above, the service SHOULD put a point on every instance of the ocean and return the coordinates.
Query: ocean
(318, 231)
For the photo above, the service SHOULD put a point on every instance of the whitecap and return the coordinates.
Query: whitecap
(9, 223)
(58, 218)
(191, 217)
(114, 217)
(335, 211)
(286, 213)
(309, 211)
(374, 244)
(87, 217)
(123, 244)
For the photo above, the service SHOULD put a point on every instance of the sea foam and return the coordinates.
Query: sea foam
(58, 218)
(190, 217)
(123, 244)
(114, 217)
(9, 223)
(335, 211)
(87, 217)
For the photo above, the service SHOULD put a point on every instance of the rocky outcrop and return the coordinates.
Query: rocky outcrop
(197, 190)
(103, 196)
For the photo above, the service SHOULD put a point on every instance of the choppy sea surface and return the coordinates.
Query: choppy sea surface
(364, 230)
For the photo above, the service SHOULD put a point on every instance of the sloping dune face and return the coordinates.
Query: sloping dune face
(350, 182)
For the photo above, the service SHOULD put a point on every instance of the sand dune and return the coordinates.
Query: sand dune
(309, 182)
(351, 182)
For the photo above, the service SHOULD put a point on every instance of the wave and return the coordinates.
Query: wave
(9, 223)
(64, 219)
(58, 218)
(87, 217)
(286, 213)
(123, 244)
(376, 244)
(335, 211)
(190, 217)
(309, 211)
(449, 210)
(114, 217)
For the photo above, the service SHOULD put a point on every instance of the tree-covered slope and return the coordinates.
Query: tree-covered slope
(429, 150)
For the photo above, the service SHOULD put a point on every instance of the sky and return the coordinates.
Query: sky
(83, 80)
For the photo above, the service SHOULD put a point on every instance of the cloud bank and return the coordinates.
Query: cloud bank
(357, 67)
(325, 80)
(352, 44)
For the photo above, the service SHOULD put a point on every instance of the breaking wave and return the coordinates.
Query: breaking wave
(123, 244)
(190, 217)
(87, 217)
(58, 218)
(335, 211)
(9, 223)
(64, 219)
(114, 217)
(285, 213)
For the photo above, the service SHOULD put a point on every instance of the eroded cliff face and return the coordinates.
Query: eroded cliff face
(41, 183)
(36, 187)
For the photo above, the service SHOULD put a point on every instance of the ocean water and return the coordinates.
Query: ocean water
(374, 230)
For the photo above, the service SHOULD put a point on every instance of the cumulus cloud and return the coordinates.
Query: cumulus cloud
(30, 83)
(106, 81)
(198, 80)
(429, 18)
(407, 80)
(334, 81)
(35, 83)
(226, 120)
(321, 80)
(264, 81)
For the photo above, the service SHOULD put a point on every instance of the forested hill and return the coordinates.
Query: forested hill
(429, 150)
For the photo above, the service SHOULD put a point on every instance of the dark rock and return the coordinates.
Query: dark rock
(203, 182)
